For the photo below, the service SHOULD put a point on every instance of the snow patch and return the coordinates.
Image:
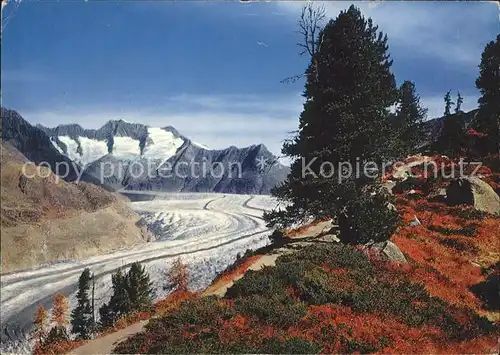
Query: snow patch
(54, 143)
(126, 147)
(71, 148)
(199, 145)
(91, 149)
(163, 146)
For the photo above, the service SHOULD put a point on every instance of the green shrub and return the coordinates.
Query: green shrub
(200, 311)
(279, 310)
(291, 345)
(315, 288)
(263, 282)
(368, 217)
(336, 256)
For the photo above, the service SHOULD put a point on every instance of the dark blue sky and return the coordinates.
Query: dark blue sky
(212, 69)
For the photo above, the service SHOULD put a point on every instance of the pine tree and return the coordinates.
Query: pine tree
(119, 304)
(447, 103)
(178, 276)
(81, 317)
(40, 324)
(348, 92)
(488, 83)
(106, 316)
(139, 288)
(460, 101)
(408, 121)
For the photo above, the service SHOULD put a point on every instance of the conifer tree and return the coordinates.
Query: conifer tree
(59, 318)
(447, 103)
(139, 288)
(349, 90)
(40, 324)
(488, 83)
(81, 317)
(460, 101)
(119, 303)
(178, 276)
(60, 310)
(408, 121)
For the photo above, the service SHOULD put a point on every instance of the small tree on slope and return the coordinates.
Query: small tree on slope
(59, 318)
(139, 288)
(40, 325)
(178, 276)
(82, 317)
(119, 303)
(488, 83)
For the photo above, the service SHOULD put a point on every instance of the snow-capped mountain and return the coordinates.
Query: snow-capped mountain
(122, 139)
(138, 157)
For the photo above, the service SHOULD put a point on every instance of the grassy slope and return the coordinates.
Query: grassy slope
(333, 298)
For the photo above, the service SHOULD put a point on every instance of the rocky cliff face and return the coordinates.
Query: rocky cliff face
(46, 219)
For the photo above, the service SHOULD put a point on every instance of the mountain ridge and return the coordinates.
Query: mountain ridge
(121, 144)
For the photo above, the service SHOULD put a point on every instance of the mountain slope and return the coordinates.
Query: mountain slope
(433, 127)
(46, 219)
(36, 146)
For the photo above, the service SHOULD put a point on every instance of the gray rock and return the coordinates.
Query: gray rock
(474, 192)
(387, 250)
(391, 207)
(329, 238)
(389, 185)
(415, 222)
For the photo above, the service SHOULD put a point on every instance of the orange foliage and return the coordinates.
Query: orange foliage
(335, 325)
(40, 324)
(172, 301)
(61, 347)
(444, 262)
(230, 275)
(178, 275)
(60, 309)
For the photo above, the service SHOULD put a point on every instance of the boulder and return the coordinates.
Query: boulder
(389, 185)
(475, 192)
(415, 222)
(328, 238)
(387, 250)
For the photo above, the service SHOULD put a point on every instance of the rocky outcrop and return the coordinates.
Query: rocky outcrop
(475, 192)
(46, 219)
(386, 250)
